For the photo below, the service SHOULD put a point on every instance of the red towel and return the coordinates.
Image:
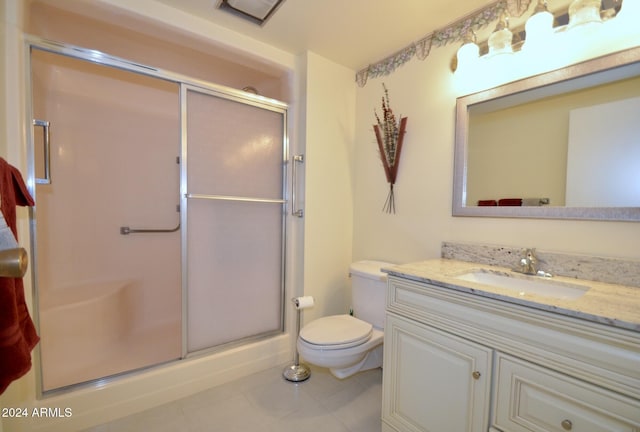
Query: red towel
(17, 333)
(487, 203)
(510, 202)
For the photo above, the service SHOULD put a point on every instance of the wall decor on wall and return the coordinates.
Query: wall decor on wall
(389, 135)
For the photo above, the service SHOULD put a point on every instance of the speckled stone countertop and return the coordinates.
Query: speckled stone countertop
(611, 304)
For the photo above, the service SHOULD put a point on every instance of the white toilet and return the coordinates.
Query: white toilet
(349, 344)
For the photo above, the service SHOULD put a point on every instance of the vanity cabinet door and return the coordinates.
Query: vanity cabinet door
(433, 381)
(532, 398)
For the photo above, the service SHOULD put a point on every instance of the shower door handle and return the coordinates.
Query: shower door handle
(125, 230)
(47, 151)
(294, 186)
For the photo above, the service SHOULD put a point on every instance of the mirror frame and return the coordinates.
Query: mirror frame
(572, 76)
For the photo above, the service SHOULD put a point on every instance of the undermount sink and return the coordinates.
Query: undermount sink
(526, 284)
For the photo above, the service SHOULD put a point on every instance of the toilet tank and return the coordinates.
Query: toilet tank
(369, 291)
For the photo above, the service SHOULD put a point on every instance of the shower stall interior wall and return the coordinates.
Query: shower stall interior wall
(159, 218)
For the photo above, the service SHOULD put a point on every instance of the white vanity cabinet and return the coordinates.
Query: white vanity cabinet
(458, 362)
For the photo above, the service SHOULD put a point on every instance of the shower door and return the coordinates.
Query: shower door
(159, 225)
(235, 211)
(109, 298)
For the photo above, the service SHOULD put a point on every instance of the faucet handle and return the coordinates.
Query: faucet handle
(530, 254)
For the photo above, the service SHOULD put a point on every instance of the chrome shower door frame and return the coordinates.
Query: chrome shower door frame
(185, 83)
(257, 102)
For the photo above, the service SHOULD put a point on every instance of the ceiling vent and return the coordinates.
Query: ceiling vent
(256, 11)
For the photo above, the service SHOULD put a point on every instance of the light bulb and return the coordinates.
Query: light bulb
(539, 27)
(468, 53)
(630, 9)
(501, 38)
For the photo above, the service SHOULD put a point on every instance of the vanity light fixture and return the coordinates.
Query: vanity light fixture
(256, 11)
(589, 33)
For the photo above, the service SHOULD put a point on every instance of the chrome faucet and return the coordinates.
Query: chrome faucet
(528, 264)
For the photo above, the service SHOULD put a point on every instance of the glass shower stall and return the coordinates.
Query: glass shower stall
(159, 229)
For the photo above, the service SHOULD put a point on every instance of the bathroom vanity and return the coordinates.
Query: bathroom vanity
(467, 352)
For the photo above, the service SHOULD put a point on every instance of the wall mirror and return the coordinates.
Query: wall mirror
(563, 144)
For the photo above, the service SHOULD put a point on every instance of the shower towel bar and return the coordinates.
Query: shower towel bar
(125, 230)
(235, 198)
(297, 159)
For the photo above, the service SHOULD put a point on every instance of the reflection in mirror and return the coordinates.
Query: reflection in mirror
(572, 149)
(565, 144)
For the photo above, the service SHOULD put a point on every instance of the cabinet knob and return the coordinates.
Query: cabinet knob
(476, 375)
(566, 424)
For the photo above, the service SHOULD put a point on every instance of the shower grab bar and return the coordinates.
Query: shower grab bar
(294, 186)
(125, 230)
(47, 151)
(234, 198)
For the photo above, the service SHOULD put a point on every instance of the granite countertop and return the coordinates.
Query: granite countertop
(611, 304)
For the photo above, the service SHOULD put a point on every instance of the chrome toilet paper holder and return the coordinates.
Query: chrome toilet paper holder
(297, 372)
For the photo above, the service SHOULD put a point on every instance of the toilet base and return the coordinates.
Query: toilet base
(372, 360)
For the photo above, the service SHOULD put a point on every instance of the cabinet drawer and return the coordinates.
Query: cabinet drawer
(531, 398)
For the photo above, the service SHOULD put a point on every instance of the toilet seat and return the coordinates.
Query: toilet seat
(336, 332)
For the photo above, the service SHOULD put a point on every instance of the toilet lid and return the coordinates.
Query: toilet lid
(337, 330)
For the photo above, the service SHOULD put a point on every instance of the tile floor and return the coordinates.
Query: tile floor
(266, 402)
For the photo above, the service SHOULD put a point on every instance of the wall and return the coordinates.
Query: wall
(10, 76)
(329, 138)
(425, 92)
(137, 39)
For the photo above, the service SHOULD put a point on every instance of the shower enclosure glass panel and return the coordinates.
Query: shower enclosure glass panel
(108, 302)
(236, 212)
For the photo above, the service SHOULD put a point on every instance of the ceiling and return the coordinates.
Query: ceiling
(354, 33)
